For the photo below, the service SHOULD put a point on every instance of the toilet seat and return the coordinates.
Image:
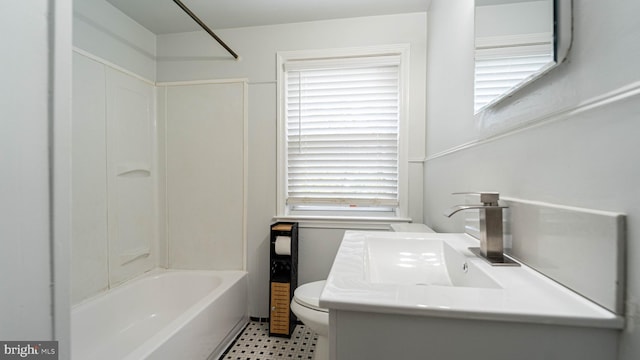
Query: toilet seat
(308, 295)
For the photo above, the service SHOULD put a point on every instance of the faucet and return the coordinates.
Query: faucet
(491, 239)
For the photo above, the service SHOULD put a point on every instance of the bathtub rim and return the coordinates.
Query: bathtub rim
(230, 279)
(153, 272)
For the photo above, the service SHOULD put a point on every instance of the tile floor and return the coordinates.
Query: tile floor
(254, 343)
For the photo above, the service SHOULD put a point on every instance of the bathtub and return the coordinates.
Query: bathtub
(164, 314)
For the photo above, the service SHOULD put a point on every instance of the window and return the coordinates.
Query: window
(340, 135)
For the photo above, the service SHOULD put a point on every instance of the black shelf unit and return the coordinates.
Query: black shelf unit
(283, 281)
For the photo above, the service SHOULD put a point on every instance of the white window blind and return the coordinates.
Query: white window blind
(499, 70)
(342, 132)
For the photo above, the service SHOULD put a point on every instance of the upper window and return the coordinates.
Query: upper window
(340, 134)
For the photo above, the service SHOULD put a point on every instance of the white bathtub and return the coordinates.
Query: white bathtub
(165, 314)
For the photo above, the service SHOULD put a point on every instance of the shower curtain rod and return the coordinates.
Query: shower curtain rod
(205, 27)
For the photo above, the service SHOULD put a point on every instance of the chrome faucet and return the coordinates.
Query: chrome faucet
(491, 237)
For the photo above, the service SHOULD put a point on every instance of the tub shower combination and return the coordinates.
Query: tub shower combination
(164, 314)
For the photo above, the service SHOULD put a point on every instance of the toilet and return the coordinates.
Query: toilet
(306, 306)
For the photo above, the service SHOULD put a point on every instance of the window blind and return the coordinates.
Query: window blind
(342, 133)
(499, 70)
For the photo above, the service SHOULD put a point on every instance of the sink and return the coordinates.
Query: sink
(435, 274)
(423, 292)
(420, 262)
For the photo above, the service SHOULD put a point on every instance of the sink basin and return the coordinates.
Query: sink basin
(434, 274)
(420, 262)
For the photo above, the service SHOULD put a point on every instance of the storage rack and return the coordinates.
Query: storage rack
(283, 279)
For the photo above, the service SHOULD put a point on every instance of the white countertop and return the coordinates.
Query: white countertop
(524, 294)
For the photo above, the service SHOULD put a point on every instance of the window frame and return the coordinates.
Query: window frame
(398, 213)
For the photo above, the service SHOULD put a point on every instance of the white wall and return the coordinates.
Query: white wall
(195, 56)
(104, 31)
(61, 132)
(115, 228)
(89, 238)
(577, 128)
(24, 183)
(132, 174)
(204, 154)
(34, 136)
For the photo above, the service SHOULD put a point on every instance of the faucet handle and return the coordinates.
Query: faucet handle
(489, 198)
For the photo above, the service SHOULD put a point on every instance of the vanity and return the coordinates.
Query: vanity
(426, 296)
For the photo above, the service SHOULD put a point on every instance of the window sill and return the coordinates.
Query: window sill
(343, 222)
